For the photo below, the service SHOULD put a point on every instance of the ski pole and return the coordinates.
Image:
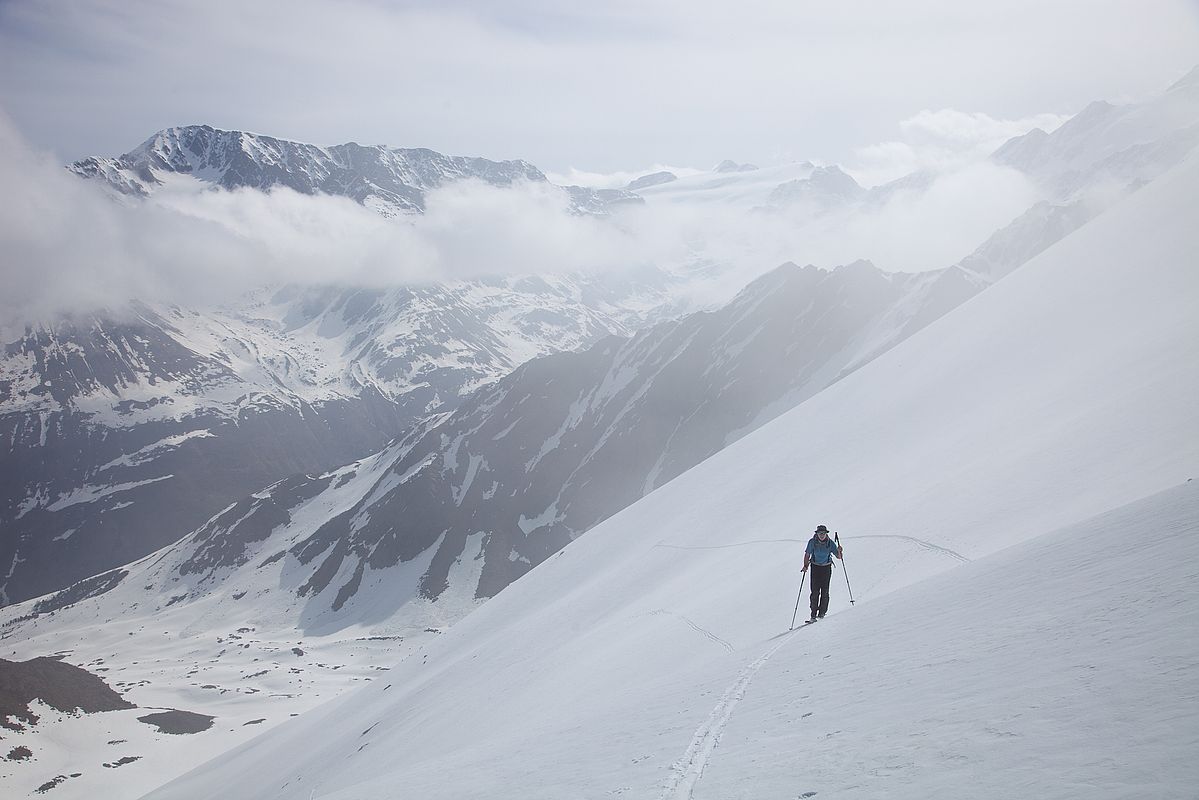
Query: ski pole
(845, 572)
(803, 574)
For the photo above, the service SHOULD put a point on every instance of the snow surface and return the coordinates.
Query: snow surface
(651, 657)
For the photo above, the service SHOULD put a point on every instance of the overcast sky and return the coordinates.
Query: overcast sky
(592, 86)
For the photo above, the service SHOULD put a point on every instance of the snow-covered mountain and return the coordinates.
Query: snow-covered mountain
(1022, 431)
(1108, 146)
(130, 427)
(825, 188)
(387, 179)
(124, 432)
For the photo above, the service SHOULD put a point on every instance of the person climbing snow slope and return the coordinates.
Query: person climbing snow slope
(819, 555)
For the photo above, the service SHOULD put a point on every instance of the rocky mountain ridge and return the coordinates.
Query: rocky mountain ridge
(389, 180)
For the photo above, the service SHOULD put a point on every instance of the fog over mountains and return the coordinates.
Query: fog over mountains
(578, 490)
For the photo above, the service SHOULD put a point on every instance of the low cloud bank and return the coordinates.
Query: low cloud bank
(942, 140)
(66, 246)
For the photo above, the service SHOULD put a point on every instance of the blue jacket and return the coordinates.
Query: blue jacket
(820, 552)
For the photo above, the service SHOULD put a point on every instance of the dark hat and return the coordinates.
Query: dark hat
(821, 529)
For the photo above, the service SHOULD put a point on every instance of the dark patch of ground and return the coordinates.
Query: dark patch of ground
(254, 722)
(19, 753)
(178, 722)
(84, 589)
(50, 784)
(59, 685)
(120, 762)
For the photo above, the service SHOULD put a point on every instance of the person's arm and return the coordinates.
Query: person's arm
(807, 557)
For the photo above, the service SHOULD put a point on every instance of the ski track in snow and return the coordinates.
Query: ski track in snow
(700, 630)
(725, 546)
(687, 771)
(921, 542)
(926, 545)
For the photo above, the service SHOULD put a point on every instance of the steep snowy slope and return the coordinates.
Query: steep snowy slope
(1046, 670)
(1063, 391)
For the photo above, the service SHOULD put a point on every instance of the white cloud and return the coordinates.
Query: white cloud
(940, 140)
(914, 230)
(65, 245)
(614, 180)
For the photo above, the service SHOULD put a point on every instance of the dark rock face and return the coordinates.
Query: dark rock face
(77, 357)
(57, 684)
(103, 509)
(78, 592)
(224, 539)
(652, 179)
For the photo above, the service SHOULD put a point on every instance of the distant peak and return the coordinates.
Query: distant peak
(831, 169)
(835, 179)
(1096, 107)
(652, 179)
(728, 165)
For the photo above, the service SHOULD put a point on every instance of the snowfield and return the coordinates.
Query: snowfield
(1045, 431)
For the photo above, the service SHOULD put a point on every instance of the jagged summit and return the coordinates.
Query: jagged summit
(387, 179)
(825, 188)
(728, 165)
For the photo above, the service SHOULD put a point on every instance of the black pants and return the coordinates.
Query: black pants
(821, 575)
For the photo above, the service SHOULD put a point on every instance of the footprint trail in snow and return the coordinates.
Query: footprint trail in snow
(686, 772)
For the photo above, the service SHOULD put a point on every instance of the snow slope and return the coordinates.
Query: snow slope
(618, 666)
(1047, 670)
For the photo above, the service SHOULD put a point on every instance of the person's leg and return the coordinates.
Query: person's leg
(826, 574)
(814, 598)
